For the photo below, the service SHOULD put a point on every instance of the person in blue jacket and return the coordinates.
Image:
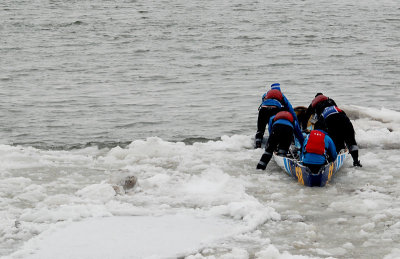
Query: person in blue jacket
(272, 102)
(281, 128)
(318, 149)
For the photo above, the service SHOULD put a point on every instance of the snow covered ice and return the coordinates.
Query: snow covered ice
(203, 200)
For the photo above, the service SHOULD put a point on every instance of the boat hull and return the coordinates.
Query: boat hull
(303, 174)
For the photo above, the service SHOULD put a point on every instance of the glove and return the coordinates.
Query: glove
(258, 143)
(357, 163)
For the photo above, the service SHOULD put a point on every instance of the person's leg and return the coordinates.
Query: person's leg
(272, 143)
(264, 114)
(261, 124)
(334, 124)
(281, 135)
(265, 158)
(285, 139)
(350, 140)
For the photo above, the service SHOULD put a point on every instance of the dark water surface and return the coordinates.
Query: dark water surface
(78, 72)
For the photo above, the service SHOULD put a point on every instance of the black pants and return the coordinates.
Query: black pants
(281, 137)
(341, 130)
(264, 114)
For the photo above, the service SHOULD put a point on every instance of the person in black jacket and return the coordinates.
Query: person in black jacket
(339, 126)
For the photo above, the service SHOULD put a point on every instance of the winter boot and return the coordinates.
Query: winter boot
(265, 158)
(258, 143)
(354, 154)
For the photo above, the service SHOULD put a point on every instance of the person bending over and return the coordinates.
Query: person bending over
(281, 127)
(273, 102)
(339, 126)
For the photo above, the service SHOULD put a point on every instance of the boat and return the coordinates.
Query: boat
(293, 167)
(303, 174)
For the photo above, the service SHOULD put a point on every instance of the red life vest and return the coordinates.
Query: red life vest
(316, 142)
(274, 94)
(284, 115)
(318, 99)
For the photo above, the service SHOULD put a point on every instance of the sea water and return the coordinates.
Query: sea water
(168, 91)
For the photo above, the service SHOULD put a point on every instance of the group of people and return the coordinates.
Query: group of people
(332, 132)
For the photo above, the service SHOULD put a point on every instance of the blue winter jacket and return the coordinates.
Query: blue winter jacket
(316, 159)
(295, 126)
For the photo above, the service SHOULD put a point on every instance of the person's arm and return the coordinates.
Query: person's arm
(298, 134)
(303, 147)
(289, 106)
(331, 148)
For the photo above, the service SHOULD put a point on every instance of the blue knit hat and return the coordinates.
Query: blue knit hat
(276, 86)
